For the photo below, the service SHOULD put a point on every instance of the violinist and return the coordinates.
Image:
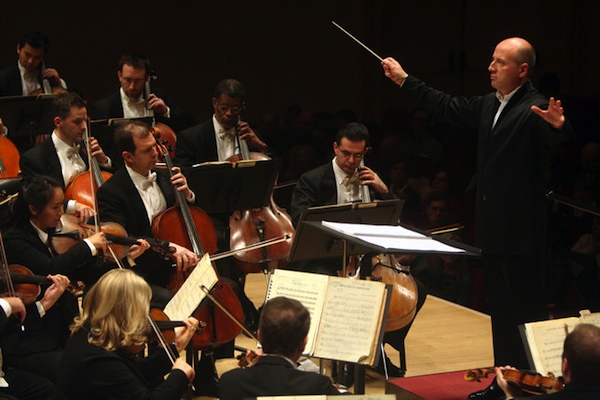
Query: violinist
(63, 156)
(35, 343)
(135, 195)
(580, 366)
(338, 182)
(134, 73)
(16, 382)
(282, 332)
(99, 360)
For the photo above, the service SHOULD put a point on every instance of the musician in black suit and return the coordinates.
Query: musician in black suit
(133, 197)
(136, 194)
(337, 182)
(36, 346)
(282, 332)
(214, 140)
(23, 385)
(579, 367)
(63, 155)
(131, 102)
(26, 75)
(516, 127)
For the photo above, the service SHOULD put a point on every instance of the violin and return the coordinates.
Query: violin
(530, 382)
(257, 225)
(72, 231)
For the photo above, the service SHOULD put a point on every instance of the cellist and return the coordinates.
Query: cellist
(215, 140)
(62, 156)
(133, 197)
(337, 182)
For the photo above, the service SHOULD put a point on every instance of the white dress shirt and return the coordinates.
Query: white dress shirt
(226, 144)
(153, 198)
(346, 192)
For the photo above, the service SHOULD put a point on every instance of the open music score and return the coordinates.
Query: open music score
(347, 315)
(187, 299)
(544, 340)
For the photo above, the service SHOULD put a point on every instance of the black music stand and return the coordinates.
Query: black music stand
(317, 244)
(224, 187)
(103, 130)
(26, 117)
(313, 240)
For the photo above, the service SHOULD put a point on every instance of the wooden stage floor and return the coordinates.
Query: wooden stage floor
(444, 337)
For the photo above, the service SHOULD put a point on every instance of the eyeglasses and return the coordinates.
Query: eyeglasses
(227, 107)
(357, 156)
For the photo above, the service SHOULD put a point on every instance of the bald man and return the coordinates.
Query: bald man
(516, 127)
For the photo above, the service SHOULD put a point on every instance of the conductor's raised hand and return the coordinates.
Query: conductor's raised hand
(554, 115)
(393, 70)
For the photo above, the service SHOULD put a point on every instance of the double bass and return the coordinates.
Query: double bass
(180, 224)
(248, 227)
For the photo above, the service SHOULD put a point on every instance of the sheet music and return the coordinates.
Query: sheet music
(546, 339)
(393, 231)
(309, 289)
(392, 237)
(350, 319)
(190, 295)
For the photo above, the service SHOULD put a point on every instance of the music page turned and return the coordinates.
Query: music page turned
(346, 315)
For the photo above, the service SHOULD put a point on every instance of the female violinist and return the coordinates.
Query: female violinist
(37, 213)
(99, 358)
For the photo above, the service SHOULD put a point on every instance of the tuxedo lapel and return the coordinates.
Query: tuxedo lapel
(51, 160)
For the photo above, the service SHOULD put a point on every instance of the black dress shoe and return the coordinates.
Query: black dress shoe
(492, 392)
(392, 370)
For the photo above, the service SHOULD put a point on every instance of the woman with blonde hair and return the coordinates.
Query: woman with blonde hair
(101, 359)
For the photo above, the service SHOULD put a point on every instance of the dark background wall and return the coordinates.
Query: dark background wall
(288, 52)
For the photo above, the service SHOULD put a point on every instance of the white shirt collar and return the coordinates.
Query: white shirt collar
(340, 175)
(59, 145)
(506, 98)
(137, 178)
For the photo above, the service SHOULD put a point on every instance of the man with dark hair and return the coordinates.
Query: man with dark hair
(26, 75)
(132, 101)
(580, 366)
(337, 182)
(282, 333)
(63, 155)
(214, 140)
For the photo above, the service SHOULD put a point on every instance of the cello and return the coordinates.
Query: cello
(179, 224)
(9, 158)
(83, 187)
(248, 227)
(385, 268)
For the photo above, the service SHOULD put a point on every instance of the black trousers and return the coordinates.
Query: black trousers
(515, 288)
